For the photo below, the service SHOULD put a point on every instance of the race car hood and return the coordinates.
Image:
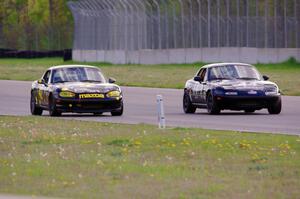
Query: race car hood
(84, 87)
(243, 84)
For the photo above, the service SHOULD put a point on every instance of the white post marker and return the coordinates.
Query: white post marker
(161, 113)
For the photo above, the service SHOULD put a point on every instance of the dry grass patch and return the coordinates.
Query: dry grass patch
(76, 159)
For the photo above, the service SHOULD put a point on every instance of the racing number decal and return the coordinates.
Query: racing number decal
(43, 94)
(39, 96)
(196, 91)
(197, 88)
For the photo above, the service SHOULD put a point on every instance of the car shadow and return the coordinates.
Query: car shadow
(234, 113)
(81, 115)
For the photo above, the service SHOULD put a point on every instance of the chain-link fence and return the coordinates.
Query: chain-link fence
(164, 24)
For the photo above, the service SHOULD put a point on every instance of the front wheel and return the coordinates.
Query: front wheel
(118, 112)
(52, 108)
(35, 110)
(188, 107)
(275, 108)
(212, 106)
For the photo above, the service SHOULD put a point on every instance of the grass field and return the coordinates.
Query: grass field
(76, 159)
(164, 76)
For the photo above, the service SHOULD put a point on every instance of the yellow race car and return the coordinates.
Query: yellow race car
(75, 88)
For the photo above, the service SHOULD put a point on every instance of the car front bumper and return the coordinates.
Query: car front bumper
(89, 105)
(245, 102)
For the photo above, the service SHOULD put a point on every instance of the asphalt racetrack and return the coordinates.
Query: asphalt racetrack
(140, 107)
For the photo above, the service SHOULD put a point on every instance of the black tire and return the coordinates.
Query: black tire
(275, 108)
(249, 110)
(35, 110)
(52, 108)
(98, 113)
(212, 107)
(188, 107)
(118, 112)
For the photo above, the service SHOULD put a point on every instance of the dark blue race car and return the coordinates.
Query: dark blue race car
(232, 86)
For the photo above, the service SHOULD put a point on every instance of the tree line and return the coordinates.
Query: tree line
(48, 24)
(35, 25)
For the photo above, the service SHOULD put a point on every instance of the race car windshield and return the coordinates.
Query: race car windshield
(77, 74)
(233, 72)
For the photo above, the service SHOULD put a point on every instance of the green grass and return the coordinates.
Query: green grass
(76, 159)
(163, 76)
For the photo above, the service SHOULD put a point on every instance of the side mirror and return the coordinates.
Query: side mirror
(41, 81)
(197, 79)
(111, 80)
(265, 77)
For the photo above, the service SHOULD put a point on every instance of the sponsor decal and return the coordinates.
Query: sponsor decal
(252, 92)
(91, 95)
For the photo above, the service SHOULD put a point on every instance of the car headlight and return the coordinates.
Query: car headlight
(113, 94)
(218, 91)
(271, 90)
(66, 94)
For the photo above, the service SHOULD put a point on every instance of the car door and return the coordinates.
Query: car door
(43, 92)
(204, 87)
(198, 87)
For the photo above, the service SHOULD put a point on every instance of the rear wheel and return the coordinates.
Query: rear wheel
(118, 112)
(212, 107)
(52, 108)
(188, 107)
(35, 110)
(275, 108)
